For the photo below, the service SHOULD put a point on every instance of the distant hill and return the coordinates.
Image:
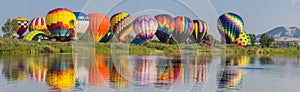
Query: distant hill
(284, 33)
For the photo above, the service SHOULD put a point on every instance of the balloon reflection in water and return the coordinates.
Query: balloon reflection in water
(180, 72)
(240, 61)
(145, 71)
(14, 69)
(38, 67)
(193, 71)
(230, 79)
(99, 71)
(120, 73)
(82, 63)
(61, 74)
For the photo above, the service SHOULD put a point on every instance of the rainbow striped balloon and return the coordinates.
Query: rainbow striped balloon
(145, 27)
(184, 27)
(230, 25)
(165, 27)
(122, 25)
(200, 31)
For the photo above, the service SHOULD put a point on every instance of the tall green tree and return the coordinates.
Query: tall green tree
(9, 28)
(253, 38)
(266, 40)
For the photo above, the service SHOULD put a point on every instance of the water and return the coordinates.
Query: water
(207, 73)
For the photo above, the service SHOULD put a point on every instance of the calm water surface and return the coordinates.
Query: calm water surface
(99, 73)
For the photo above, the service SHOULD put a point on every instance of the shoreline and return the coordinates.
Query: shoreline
(8, 46)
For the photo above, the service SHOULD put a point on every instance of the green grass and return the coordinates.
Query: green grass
(15, 46)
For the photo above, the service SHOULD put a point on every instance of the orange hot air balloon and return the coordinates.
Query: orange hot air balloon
(99, 25)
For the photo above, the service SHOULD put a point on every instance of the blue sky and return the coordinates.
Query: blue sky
(259, 15)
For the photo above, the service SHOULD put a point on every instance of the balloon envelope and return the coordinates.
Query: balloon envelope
(200, 31)
(122, 25)
(108, 36)
(145, 27)
(230, 25)
(61, 23)
(184, 27)
(98, 26)
(22, 25)
(165, 27)
(38, 24)
(36, 36)
(82, 23)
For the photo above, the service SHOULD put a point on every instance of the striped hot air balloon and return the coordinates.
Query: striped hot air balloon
(39, 24)
(230, 26)
(145, 27)
(122, 25)
(98, 26)
(200, 31)
(61, 23)
(165, 27)
(22, 26)
(184, 27)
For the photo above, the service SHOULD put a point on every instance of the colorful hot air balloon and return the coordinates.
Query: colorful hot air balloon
(82, 23)
(39, 24)
(36, 36)
(184, 27)
(61, 23)
(200, 31)
(145, 27)
(122, 25)
(108, 36)
(165, 27)
(98, 26)
(243, 40)
(230, 26)
(22, 26)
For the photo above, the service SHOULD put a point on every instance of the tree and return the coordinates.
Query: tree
(253, 38)
(9, 28)
(265, 40)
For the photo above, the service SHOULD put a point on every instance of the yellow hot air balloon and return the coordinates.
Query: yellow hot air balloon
(61, 23)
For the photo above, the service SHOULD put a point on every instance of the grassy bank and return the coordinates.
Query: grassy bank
(15, 46)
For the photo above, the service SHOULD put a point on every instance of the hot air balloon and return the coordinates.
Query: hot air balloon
(36, 36)
(230, 25)
(200, 31)
(184, 27)
(82, 23)
(137, 40)
(39, 24)
(243, 40)
(22, 26)
(145, 27)
(108, 36)
(61, 23)
(122, 25)
(165, 27)
(98, 26)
